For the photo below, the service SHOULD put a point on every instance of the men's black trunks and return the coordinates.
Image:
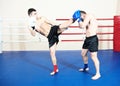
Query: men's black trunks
(53, 36)
(91, 43)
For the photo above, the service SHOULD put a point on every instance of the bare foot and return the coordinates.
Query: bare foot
(95, 77)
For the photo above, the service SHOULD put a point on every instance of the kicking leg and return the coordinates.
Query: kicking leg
(64, 26)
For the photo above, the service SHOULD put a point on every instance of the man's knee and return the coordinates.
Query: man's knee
(94, 57)
(93, 54)
(62, 29)
(52, 52)
(83, 54)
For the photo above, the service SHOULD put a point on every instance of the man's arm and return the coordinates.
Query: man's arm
(33, 32)
(84, 23)
(31, 25)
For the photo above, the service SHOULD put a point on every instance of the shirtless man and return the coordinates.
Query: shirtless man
(89, 22)
(48, 29)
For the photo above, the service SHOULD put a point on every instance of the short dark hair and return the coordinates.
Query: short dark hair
(83, 12)
(30, 10)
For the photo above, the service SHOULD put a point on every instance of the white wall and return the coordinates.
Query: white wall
(118, 7)
(57, 8)
(14, 15)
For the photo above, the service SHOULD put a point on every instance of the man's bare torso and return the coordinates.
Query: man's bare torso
(42, 26)
(91, 28)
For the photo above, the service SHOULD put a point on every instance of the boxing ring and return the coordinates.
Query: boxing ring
(15, 36)
(20, 66)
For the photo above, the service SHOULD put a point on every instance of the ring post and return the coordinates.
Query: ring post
(0, 35)
(116, 41)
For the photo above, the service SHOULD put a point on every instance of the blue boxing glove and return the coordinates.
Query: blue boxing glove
(77, 16)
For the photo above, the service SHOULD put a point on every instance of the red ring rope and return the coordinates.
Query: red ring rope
(99, 26)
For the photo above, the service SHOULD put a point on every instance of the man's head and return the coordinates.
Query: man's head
(32, 17)
(83, 13)
(32, 12)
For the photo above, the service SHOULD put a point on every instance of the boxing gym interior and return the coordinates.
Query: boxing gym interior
(25, 60)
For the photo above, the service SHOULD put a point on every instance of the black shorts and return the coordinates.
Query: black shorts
(91, 43)
(53, 36)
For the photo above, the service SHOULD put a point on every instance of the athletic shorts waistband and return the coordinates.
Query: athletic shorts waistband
(91, 37)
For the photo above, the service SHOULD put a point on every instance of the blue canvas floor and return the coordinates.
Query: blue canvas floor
(32, 68)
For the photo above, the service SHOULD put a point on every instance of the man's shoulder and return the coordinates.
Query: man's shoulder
(41, 18)
(90, 16)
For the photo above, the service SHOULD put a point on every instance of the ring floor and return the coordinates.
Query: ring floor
(32, 68)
